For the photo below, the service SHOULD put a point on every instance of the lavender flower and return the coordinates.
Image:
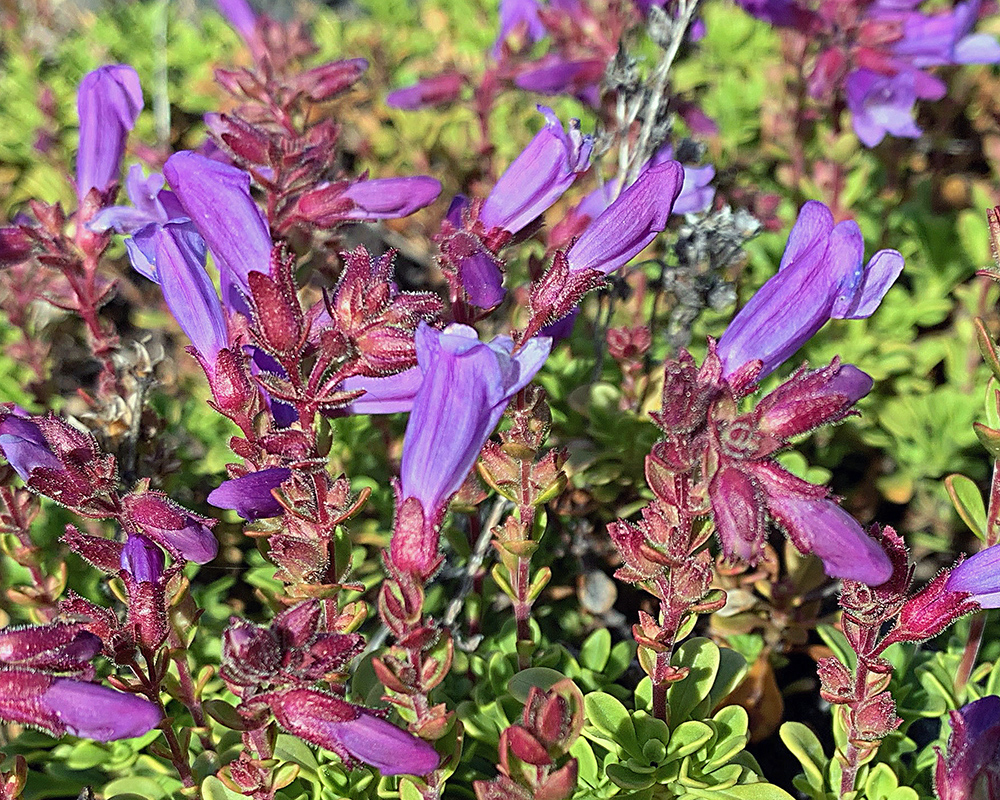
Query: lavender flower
(820, 277)
(251, 496)
(152, 207)
(519, 15)
(389, 395)
(538, 177)
(353, 733)
(142, 559)
(428, 92)
(971, 767)
(630, 223)
(183, 534)
(391, 198)
(109, 101)
(65, 705)
(979, 575)
(240, 15)
(882, 104)
(217, 198)
(24, 446)
(466, 387)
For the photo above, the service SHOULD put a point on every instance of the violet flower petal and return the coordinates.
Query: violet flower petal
(250, 496)
(820, 278)
(482, 279)
(821, 527)
(108, 102)
(389, 395)
(391, 750)
(188, 291)
(538, 177)
(25, 448)
(217, 198)
(391, 198)
(881, 104)
(240, 15)
(979, 575)
(630, 223)
(92, 711)
(142, 559)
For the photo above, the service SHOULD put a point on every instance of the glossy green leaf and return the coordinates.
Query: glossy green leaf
(807, 749)
(968, 502)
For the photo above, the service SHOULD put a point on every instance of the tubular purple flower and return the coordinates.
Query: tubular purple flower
(184, 534)
(466, 387)
(57, 646)
(820, 526)
(631, 222)
(821, 277)
(519, 13)
(937, 40)
(240, 15)
(188, 291)
(979, 575)
(882, 104)
(142, 559)
(24, 446)
(538, 177)
(389, 395)
(216, 197)
(970, 770)
(109, 101)
(391, 198)
(64, 705)
(351, 732)
(251, 496)
(555, 75)
(427, 92)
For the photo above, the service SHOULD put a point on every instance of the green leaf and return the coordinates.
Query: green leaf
(968, 502)
(702, 658)
(610, 717)
(747, 791)
(543, 677)
(732, 670)
(214, 789)
(596, 649)
(145, 787)
(291, 748)
(627, 779)
(688, 738)
(837, 642)
(881, 782)
(807, 749)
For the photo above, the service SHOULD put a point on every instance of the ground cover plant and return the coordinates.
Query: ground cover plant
(566, 399)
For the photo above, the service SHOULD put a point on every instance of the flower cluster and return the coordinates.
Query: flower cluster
(876, 53)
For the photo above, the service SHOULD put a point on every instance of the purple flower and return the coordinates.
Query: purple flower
(183, 534)
(631, 222)
(57, 646)
(979, 575)
(466, 387)
(152, 207)
(24, 446)
(240, 15)
(934, 40)
(353, 733)
(64, 705)
(519, 14)
(188, 291)
(427, 92)
(391, 198)
(821, 527)
(970, 770)
(881, 104)
(142, 559)
(555, 75)
(821, 277)
(538, 177)
(389, 395)
(217, 198)
(251, 496)
(109, 101)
